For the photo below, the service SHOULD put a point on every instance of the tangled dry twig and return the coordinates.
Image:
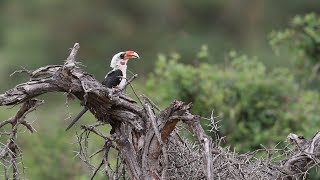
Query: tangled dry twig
(10, 153)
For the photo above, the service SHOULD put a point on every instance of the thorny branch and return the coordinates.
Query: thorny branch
(10, 153)
(148, 142)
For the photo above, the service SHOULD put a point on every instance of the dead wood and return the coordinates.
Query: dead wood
(147, 140)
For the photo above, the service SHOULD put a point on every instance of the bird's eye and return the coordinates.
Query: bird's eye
(122, 55)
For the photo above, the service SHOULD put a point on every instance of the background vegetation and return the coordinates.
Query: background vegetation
(255, 63)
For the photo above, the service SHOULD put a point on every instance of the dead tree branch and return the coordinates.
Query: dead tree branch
(10, 152)
(148, 143)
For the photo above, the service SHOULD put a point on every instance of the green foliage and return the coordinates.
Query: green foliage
(255, 105)
(46, 158)
(36, 33)
(302, 42)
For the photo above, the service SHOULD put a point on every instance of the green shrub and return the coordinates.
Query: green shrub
(255, 105)
(301, 41)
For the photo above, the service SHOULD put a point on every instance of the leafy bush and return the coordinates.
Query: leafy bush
(255, 105)
(302, 41)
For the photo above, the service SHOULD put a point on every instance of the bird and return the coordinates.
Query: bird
(116, 78)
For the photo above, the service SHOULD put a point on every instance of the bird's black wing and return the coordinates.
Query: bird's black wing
(113, 78)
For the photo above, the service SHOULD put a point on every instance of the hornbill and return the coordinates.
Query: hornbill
(116, 78)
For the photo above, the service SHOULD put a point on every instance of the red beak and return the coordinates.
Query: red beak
(131, 55)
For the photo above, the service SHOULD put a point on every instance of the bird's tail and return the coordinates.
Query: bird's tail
(77, 118)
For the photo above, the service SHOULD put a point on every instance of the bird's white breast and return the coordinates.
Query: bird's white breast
(123, 68)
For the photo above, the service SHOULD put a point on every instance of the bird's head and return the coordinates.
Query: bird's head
(121, 58)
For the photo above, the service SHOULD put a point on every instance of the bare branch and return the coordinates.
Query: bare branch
(11, 151)
(71, 60)
(23, 70)
(8, 121)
